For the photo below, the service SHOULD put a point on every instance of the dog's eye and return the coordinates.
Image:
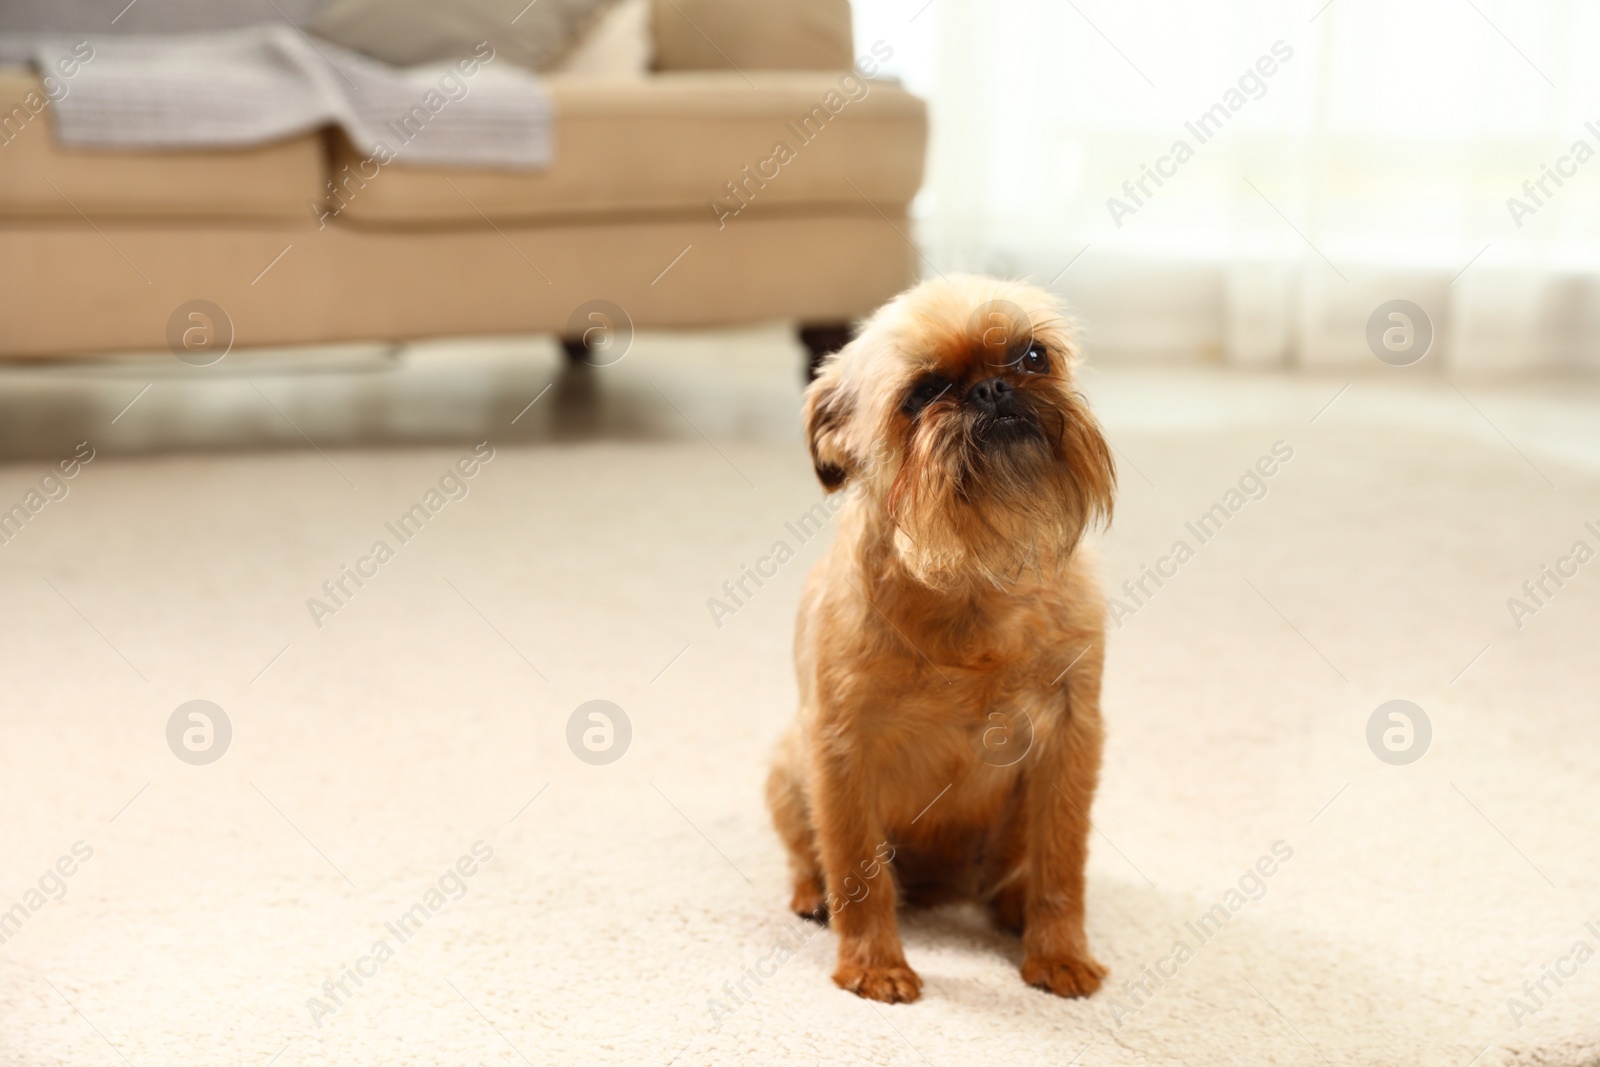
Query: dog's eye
(1035, 360)
(924, 393)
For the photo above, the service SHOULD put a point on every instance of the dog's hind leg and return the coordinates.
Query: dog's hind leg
(791, 814)
(1004, 887)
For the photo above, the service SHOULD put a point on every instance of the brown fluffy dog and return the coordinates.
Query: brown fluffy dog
(949, 644)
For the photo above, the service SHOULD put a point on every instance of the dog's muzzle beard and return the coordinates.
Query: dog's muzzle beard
(1000, 416)
(986, 493)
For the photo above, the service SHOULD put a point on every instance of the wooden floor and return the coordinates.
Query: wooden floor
(732, 385)
(742, 384)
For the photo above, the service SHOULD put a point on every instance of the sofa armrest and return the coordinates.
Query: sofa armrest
(751, 34)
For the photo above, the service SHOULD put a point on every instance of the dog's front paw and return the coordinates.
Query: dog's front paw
(892, 983)
(1065, 976)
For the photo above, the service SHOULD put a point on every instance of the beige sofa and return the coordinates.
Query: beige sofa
(99, 249)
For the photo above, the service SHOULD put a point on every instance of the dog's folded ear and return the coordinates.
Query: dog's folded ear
(829, 405)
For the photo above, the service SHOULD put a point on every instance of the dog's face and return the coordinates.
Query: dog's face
(955, 413)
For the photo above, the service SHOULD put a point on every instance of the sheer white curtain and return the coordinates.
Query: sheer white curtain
(1247, 181)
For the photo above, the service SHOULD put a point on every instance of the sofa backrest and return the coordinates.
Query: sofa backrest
(752, 34)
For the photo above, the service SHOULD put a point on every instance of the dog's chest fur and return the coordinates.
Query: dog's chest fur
(960, 689)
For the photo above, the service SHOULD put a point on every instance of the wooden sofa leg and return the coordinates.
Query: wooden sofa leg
(577, 351)
(822, 339)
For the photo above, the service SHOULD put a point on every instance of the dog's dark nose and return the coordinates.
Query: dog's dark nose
(990, 393)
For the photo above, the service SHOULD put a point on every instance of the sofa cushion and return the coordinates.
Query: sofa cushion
(672, 143)
(751, 34)
(404, 33)
(615, 45)
(41, 179)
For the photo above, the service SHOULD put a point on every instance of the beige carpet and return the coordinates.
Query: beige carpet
(620, 906)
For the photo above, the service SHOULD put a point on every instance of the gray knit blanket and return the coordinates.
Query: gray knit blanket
(257, 84)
